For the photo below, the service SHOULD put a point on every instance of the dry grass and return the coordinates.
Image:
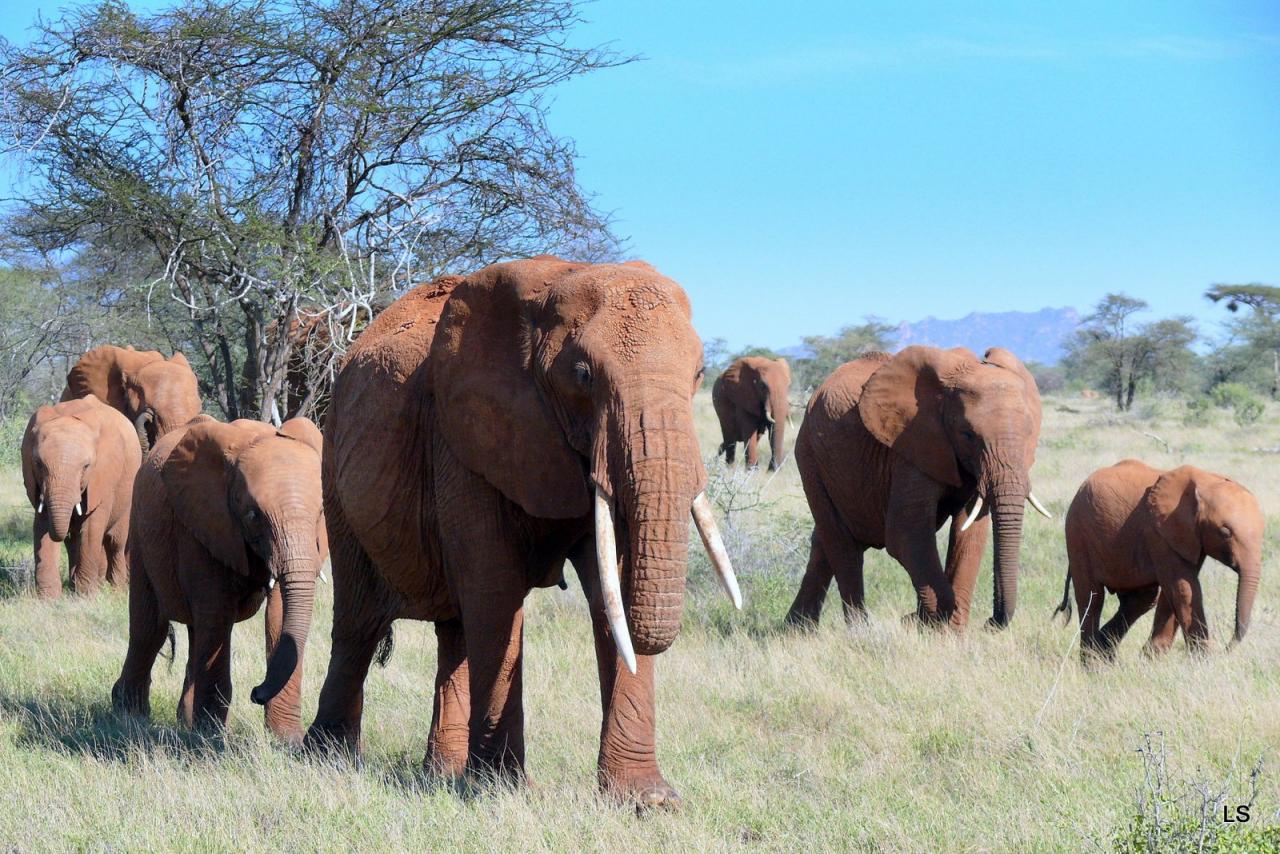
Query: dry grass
(874, 738)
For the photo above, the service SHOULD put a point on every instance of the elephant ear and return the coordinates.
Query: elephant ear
(488, 406)
(902, 406)
(197, 475)
(304, 430)
(178, 359)
(29, 480)
(1174, 504)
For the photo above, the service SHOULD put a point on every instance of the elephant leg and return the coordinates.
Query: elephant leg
(730, 451)
(753, 449)
(451, 708)
(89, 547)
(283, 712)
(911, 539)
(48, 555)
(493, 627)
(147, 633)
(627, 764)
(117, 560)
(1133, 604)
(1188, 607)
(206, 693)
(806, 610)
(847, 567)
(1164, 629)
(964, 559)
(363, 610)
(1089, 600)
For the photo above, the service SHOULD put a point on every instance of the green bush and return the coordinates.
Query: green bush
(1246, 406)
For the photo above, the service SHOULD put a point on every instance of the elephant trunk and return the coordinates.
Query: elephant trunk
(297, 579)
(145, 426)
(653, 475)
(1007, 507)
(1246, 590)
(777, 408)
(62, 496)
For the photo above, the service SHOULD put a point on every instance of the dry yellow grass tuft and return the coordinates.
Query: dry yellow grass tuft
(878, 737)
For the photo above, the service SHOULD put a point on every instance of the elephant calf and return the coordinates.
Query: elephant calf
(750, 399)
(79, 459)
(1143, 534)
(227, 515)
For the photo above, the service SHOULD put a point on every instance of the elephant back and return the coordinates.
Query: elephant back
(100, 372)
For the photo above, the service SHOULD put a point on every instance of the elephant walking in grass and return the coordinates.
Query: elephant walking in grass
(79, 459)
(483, 431)
(750, 399)
(156, 394)
(894, 446)
(1144, 534)
(226, 516)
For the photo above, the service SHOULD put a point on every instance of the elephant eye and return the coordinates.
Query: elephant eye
(250, 514)
(1226, 532)
(582, 373)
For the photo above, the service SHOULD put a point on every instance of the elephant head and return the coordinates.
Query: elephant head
(970, 424)
(250, 494)
(160, 396)
(1198, 514)
(59, 451)
(569, 388)
(771, 379)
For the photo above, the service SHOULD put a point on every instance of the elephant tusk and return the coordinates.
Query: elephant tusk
(705, 521)
(610, 580)
(974, 513)
(40, 509)
(1035, 502)
(79, 509)
(271, 582)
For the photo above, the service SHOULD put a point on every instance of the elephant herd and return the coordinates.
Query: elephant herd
(486, 430)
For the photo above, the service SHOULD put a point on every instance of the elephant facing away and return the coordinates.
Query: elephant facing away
(79, 459)
(750, 399)
(894, 446)
(226, 516)
(1144, 534)
(156, 394)
(483, 431)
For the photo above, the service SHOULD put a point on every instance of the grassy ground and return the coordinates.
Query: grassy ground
(876, 738)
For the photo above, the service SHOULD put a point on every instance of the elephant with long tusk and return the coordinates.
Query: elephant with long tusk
(483, 431)
(893, 447)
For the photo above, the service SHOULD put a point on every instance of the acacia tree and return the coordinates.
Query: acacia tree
(1112, 348)
(287, 163)
(1261, 329)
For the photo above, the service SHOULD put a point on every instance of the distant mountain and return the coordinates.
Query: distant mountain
(1033, 336)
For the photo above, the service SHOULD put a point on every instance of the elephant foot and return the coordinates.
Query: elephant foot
(645, 790)
(129, 699)
(333, 743)
(801, 620)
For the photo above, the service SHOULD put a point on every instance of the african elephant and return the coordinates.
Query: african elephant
(892, 447)
(750, 399)
(156, 394)
(482, 431)
(1143, 534)
(79, 459)
(226, 515)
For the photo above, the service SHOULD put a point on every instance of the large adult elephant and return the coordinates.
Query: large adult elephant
(483, 431)
(156, 394)
(225, 516)
(1143, 534)
(750, 399)
(79, 458)
(891, 448)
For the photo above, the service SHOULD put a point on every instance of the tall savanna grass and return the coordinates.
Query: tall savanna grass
(878, 737)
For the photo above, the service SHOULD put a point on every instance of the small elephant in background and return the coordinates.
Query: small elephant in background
(79, 459)
(750, 399)
(156, 394)
(226, 516)
(1143, 534)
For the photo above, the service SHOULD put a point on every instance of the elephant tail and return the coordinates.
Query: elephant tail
(385, 647)
(1064, 607)
(173, 647)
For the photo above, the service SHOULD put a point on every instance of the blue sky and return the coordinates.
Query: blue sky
(799, 166)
